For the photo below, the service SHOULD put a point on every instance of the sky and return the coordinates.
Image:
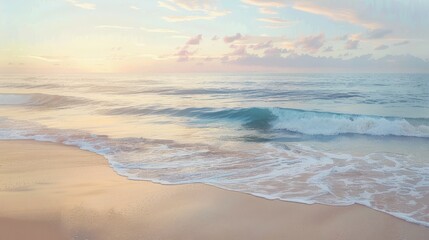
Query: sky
(139, 36)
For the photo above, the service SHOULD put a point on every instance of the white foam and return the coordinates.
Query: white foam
(387, 182)
(315, 123)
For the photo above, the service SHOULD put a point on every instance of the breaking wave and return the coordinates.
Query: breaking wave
(386, 182)
(299, 121)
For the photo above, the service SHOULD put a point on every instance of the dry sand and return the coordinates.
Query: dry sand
(49, 191)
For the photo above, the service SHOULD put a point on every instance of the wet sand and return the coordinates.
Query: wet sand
(50, 191)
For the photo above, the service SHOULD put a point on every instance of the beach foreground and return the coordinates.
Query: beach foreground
(51, 191)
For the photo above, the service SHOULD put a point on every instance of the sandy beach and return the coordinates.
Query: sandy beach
(50, 191)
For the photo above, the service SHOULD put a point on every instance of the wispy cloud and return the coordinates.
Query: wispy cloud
(206, 7)
(265, 6)
(337, 14)
(273, 20)
(381, 47)
(179, 36)
(378, 33)
(167, 6)
(158, 30)
(114, 27)
(264, 3)
(196, 5)
(405, 42)
(83, 5)
(269, 11)
(135, 8)
(187, 18)
(45, 58)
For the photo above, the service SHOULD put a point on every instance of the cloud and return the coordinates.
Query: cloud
(390, 63)
(378, 33)
(403, 18)
(328, 49)
(135, 8)
(187, 18)
(274, 52)
(195, 5)
(230, 39)
(336, 13)
(167, 6)
(158, 30)
(262, 45)
(207, 7)
(114, 27)
(265, 6)
(184, 54)
(381, 47)
(180, 36)
(311, 43)
(342, 38)
(402, 43)
(239, 51)
(46, 58)
(264, 3)
(352, 44)
(83, 5)
(195, 40)
(273, 20)
(276, 26)
(269, 11)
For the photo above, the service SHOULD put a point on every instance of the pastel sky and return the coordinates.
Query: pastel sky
(137, 36)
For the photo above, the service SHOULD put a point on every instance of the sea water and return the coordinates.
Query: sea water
(335, 139)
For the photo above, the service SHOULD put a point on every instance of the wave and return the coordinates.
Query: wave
(270, 170)
(298, 121)
(326, 123)
(39, 100)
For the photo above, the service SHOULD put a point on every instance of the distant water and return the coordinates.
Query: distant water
(335, 139)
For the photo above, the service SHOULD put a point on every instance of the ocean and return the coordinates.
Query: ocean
(335, 139)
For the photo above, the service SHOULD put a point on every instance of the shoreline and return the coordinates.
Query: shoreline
(67, 184)
(211, 185)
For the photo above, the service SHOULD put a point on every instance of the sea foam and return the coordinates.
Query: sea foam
(295, 120)
(387, 182)
(324, 123)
